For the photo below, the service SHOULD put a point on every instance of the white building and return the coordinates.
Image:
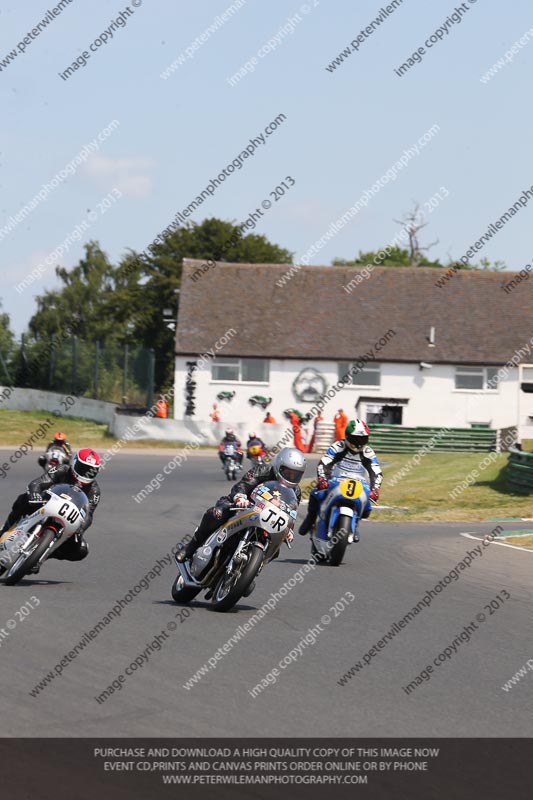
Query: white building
(411, 352)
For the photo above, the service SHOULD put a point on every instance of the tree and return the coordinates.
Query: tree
(413, 256)
(7, 341)
(412, 223)
(94, 302)
(397, 257)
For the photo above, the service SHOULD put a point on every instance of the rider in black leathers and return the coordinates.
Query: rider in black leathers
(82, 473)
(287, 467)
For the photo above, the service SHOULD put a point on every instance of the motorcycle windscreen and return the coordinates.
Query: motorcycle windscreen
(73, 494)
(351, 469)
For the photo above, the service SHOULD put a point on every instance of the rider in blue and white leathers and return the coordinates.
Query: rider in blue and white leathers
(349, 454)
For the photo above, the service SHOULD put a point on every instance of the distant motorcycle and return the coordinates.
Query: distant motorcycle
(340, 511)
(256, 454)
(228, 562)
(32, 540)
(230, 463)
(54, 457)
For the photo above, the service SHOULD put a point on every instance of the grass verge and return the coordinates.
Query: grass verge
(17, 426)
(424, 488)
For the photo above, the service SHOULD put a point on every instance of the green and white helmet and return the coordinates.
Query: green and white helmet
(356, 434)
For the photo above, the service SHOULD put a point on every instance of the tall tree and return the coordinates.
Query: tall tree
(7, 341)
(92, 301)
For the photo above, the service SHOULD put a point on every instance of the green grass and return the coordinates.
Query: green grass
(424, 489)
(521, 541)
(17, 426)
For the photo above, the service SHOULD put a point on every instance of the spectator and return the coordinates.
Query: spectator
(269, 418)
(215, 414)
(161, 407)
(341, 421)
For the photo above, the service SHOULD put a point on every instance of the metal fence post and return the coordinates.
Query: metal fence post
(96, 367)
(151, 376)
(125, 375)
(51, 363)
(74, 378)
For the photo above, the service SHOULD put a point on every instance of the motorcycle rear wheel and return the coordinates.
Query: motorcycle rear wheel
(230, 589)
(23, 565)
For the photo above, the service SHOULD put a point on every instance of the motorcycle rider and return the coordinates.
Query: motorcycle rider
(255, 441)
(81, 472)
(230, 438)
(287, 467)
(59, 442)
(353, 448)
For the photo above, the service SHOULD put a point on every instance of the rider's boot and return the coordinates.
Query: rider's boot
(312, 513)
(186, 551)
(307, 524)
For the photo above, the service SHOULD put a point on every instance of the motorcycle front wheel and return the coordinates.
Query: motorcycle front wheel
(231, 588)
(181, 593)
(340, 534)
(25, 563)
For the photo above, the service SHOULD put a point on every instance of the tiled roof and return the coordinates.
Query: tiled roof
(313, 317)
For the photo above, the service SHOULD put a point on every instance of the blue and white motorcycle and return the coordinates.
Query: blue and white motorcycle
(346, 498)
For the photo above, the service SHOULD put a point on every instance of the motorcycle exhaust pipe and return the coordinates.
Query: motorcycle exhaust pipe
(188, 579)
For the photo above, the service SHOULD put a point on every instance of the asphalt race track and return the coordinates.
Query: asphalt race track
(387, 572)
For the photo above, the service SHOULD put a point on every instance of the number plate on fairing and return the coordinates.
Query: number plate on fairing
(350, 488)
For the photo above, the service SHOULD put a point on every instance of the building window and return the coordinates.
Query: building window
(368, 375)
(236, 370)
(476, 379)
(255, 369)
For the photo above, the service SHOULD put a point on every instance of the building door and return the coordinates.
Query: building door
(384, 414)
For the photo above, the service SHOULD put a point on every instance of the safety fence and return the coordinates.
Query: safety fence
(397, 439)
(70, 365)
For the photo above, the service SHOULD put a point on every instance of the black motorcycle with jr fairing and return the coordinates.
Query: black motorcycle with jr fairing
(230, 559)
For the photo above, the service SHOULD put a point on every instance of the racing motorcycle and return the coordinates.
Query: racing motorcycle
(348, 494)
(55, 457)
(28, 544)
(228, 562)
(230, 462)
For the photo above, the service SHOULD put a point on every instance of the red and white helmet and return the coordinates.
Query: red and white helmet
(85, 466)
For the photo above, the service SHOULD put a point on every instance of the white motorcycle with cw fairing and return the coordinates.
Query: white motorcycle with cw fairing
(28, 543)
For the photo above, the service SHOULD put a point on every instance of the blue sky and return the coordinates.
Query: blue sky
(343, 129)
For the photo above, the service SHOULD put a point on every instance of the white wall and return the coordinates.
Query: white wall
(433, 399)
(189, 430)
(39, 400)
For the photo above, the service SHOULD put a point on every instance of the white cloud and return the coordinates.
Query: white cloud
(131, 176)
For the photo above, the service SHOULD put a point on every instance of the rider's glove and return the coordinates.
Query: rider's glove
(35, 497)
(374, 495)
(241, 501)
(322, 482)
